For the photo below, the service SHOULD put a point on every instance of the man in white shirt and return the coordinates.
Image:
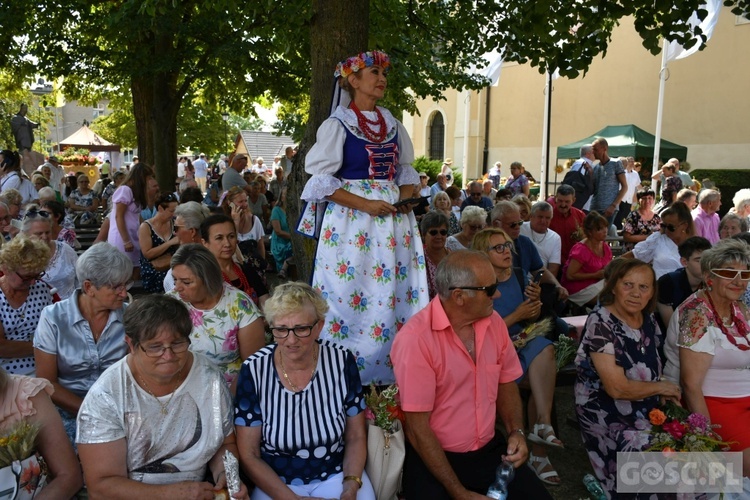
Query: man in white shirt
(222, 164)
(546, 241)
(181, 168)
(201, 171)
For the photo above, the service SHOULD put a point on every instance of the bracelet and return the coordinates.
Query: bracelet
(518, 431)
(356, 479)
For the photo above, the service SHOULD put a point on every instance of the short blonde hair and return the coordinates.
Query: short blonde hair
(25, 253)
(11, 197)
(481, 241)
(289, 298)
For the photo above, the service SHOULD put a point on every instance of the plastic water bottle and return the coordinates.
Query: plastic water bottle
(503, 476)
(595, 488)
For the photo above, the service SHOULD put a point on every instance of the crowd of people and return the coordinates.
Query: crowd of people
(148, 393)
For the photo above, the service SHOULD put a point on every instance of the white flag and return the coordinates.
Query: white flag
(676, 51)
(491, 71)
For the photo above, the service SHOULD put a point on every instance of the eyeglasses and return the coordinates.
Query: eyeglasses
(123, 287)
(435, 232)
(502, 247)
(489, 289)
(476, 228)
(514, 225)
(732, 274)
(669, 227)
(299, 331)
(158, 351)
(33, 277)
(32, 213)
(476, 194)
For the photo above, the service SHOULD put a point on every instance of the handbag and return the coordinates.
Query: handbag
(22, 480)
(385, 459)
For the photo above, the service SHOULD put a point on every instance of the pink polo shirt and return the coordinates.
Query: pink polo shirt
(435, 374)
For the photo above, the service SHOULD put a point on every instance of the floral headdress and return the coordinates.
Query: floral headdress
(361, 61)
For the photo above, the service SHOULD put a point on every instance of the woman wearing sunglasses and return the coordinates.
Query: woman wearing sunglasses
(434, 228)
(519, 305)
(61, 269)
(708, 345)
(660, 249)
(22, 298)
(473, 220)
(158, 242)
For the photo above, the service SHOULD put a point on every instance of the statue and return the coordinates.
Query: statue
(23, 129)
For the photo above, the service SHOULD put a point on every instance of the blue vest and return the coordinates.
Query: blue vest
(368, 160)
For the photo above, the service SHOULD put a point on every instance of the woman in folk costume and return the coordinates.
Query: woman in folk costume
(369, 263)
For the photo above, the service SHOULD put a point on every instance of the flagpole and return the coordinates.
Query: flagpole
(660, 106)
(544, 174)
(467, 129)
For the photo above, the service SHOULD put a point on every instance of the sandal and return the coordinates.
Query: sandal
(538, 464)
(545, 435)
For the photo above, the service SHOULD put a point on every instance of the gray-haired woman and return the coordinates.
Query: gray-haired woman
(227, 326)
(60, 273)
(83, 335)
(708, 345)
(473, 220)
(187, 227)
(732, 224)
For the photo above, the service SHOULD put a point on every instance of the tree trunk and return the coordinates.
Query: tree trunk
(166, 108)
(143, 100)
(339, 29)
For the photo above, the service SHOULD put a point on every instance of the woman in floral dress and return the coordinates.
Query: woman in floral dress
(619, 369)
(368, 248)
(640, 224)
(227, 326)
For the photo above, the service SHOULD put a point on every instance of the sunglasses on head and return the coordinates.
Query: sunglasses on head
(30, 214)
(732, 274)
(489, 289)
(435, 232)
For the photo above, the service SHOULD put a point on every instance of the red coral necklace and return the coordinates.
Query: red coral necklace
(737, 318)
(241, 276)
(364, 124)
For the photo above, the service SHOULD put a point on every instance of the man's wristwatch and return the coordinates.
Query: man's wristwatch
(518, 431)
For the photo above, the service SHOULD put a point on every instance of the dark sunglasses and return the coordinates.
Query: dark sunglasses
(514, 225)
(476, 194)
(669, 227)
(435, 232)
(489, 289)
(30, 214)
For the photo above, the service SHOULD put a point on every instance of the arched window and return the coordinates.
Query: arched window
(437, 137)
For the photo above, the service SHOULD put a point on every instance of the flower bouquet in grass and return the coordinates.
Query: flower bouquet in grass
(536, 329)
(19, 443)
(383, 408)
(675, 429)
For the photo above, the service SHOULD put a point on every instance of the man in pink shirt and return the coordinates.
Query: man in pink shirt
(456, 369)
(705, 218)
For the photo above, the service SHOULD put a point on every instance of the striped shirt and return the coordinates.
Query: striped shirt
(302, 436)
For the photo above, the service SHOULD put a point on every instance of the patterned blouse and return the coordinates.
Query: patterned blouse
(635, 224)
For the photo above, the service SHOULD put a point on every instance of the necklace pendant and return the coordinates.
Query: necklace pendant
(163, 411)
(643, 349)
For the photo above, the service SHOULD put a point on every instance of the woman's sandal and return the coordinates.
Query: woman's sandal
(545, 435)
(538, 464)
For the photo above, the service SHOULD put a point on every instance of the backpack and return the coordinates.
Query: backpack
(583, 185)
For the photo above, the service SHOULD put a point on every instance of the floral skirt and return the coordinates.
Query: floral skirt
(371, 271)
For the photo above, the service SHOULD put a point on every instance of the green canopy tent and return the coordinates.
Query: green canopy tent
(626, 140)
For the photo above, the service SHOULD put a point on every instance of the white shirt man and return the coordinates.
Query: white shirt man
(546, 241)
(201, 171)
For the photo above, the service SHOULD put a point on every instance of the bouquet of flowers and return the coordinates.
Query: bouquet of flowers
(18, 443)
(536, 329)
(565, 351)
(383, 408)
(674, 428)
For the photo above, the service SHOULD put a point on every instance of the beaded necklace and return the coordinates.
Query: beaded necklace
(241, 276)
(737, 318)
(364, 124)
